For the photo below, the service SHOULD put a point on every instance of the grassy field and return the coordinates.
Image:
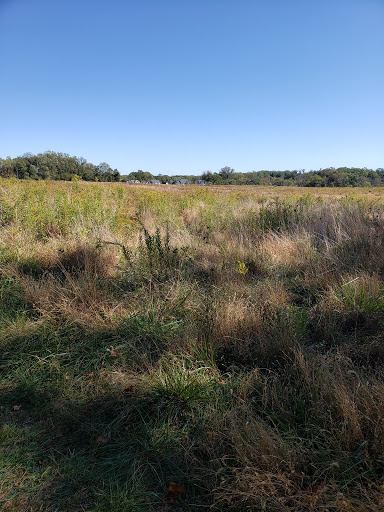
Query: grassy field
(184, 349)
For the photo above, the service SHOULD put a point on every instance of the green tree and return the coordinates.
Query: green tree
(142, 175)
(226, 172)
(207, 176)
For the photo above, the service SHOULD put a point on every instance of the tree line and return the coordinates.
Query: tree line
(330, 177)
(56, 166)
(61, 166)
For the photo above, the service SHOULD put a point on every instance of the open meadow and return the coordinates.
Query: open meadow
(170, 348)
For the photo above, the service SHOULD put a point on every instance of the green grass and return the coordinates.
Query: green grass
(12, 305)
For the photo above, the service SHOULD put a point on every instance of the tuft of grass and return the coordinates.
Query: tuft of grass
(361, 294)
(182, 383)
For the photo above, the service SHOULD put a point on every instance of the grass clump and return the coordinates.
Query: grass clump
(361, 294)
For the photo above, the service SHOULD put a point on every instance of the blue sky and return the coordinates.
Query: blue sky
(185, 86)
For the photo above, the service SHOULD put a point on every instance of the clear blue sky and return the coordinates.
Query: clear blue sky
(184, 86)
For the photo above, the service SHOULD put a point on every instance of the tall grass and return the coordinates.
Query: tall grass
(191, 348)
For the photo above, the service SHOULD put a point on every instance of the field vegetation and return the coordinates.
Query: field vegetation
(190, 348)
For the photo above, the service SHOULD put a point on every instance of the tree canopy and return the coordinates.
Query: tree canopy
(56, 166)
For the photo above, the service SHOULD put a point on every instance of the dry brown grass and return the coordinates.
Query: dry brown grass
(66, 284)
(257, 465)
(284, 250)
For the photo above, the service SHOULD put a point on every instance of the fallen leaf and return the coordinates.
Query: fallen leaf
(8, 387)
(113, 353)
(174, 492)
(104, 439)
(88, 374)
(90, 383)
(176, 488)
(67, 377)
(315, 489)
(16, 407)
(129, 390)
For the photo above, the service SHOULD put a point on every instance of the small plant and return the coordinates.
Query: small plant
(156, 253)
(188, 254)
(241, 268)
(281, 215)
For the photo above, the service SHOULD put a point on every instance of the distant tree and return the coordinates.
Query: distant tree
(81, 161)
(88, 174)
(33, 172)
(207, 176)
(238, 178)
(226, 172)
(217, 179)
(141, 175)
(163, 178)
(313, 180)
